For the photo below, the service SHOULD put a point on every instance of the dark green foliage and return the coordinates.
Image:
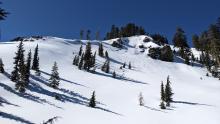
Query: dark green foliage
(92, 102)
(114, 74)
(106, 54)
(88, 35)
(3, 14)
(129, 65)
(28, 68)
(35, 65)
(118, 43)
(166, 54)
(196, 42)
(21, 69)
(81, 34)
(97, 35)
(124, 65)
(1, 66)
(93, 60)
(54, 77)
(162, 94)
(129, 30)
(168, 92)
(88, 57)
(80, 50)
(106, 66)
(76, 60)
(162, 105)
(154, 53)
(179, 39)
(159, 39)
(101, 50)
(81, 62)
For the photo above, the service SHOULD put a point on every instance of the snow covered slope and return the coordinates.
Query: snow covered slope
(196, 96)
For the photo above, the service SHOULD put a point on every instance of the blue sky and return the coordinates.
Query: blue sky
(65, 18)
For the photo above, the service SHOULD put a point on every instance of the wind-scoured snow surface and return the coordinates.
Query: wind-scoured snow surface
(196, 96)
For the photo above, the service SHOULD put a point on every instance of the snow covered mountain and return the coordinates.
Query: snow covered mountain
(196, 96)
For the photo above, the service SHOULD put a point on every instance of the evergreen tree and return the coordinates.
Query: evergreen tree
(141, 99)
(81, 62)
(1, 66)
(21, 79)
(114, 74)
(168, 92)
(14, 73)
(92, 102)
(106, 54)
(166, 54)
(93, 60)
(129, 65)
(88, 57)
(162, 105)
(179, 39)
(28, 67)
(162, 94)
(97, 35)
(74, 60)
(124, 65)
(196, 42)
(54, 77)
(35, 65)
(88, 35)
(81, 34)
(106, 66)
(101, 53)
(80, 50)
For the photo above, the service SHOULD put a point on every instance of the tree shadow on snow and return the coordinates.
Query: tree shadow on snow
(190, 103)
(154, 109)
(62, 79)
(15, 118)
(4, 101)
(34, 87)
(106, 110)
(178, 59)
(126, 79)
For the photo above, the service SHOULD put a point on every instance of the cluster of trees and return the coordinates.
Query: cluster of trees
(21, 73)
(164, 54)
(166, 94)
(125, 31)
(85, 60)
(208, 42)
(87, 35)
(159, 39)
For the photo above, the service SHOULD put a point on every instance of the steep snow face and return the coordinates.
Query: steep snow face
(196, 96)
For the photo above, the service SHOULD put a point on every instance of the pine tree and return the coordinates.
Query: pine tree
(21, 70)
(162, 94)
(106, 66)
(54, 79)
(14, 73)
(114, 74)
(74, 60)
(80, 50)
(141, 99)
(35, 65)
(88, 57)
(168, 92)
(124, 65)
(92, 102)
(162, 105)
(88, 35)
(97, 35)
(28, 67)
(81, 34)
(196, 42)
(100, 52)
(81, 62)
(1, 66)
(93, 60)
(129, 65)
(106, 54)
(179, 38)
